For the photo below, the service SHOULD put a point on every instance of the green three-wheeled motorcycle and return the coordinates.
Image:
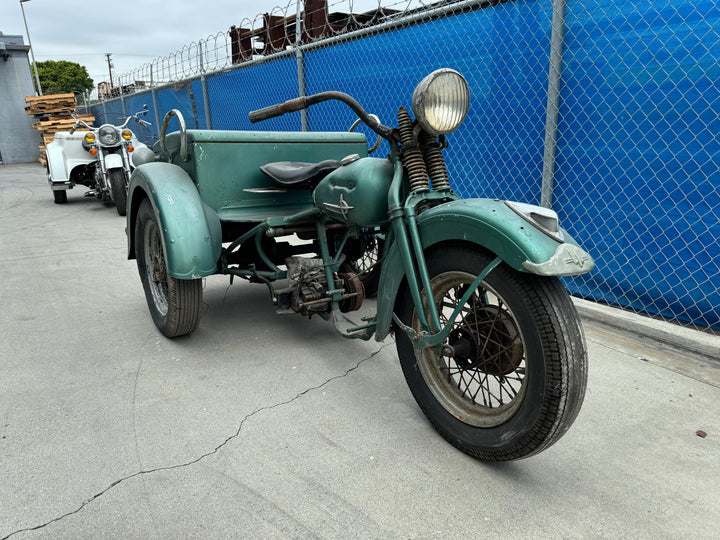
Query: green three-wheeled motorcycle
(488, 339)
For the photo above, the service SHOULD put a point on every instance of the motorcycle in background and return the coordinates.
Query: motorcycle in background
(96, 157)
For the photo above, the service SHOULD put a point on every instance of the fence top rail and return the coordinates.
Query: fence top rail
(300, 24)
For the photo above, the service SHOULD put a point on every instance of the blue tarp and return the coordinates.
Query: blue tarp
(637, 179)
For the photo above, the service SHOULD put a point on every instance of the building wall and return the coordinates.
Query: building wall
(18, 140)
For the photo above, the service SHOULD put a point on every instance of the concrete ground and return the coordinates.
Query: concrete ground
(267, 426)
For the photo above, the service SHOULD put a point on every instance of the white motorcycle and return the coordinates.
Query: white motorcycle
(100, 158)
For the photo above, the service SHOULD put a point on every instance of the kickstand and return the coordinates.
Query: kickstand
(259, 279)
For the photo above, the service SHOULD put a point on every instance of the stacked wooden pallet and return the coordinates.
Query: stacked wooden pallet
(53, 113)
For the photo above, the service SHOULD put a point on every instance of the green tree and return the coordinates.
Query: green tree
(63, 77)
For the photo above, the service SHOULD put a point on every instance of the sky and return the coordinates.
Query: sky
(134, 32)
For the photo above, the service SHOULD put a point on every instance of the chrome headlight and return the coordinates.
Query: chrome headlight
(108, 135)
(441, 101)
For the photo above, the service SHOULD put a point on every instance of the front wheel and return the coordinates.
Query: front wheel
(174, 303)
(516, 379)
(60, 196)
(118, 187)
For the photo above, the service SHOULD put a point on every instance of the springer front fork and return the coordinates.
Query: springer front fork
(421, 156)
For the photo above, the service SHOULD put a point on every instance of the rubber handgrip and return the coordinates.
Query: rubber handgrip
(266, 113)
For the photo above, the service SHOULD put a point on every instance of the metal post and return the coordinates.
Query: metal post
(155, 104)
(122, 102)
(553, 102)
(206, 102)
(203, 84)
(107, 55)
(32, 51)
(300, 66)
(202, 64)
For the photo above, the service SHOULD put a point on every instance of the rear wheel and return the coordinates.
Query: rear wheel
(369, 252)
(118, 187)
(60, 196)
(517, 378)
(174, 303)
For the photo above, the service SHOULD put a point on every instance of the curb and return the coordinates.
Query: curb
(678, 337)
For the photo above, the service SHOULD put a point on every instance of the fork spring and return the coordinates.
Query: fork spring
(434, 161)
(412, 156)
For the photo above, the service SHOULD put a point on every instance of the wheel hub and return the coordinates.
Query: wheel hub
(464, 346)
(158, 269)
(488, 341)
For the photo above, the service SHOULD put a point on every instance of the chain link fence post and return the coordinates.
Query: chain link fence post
(203, 83)
(300, 65)
(553, 102)
(155, 101)
(206, 101)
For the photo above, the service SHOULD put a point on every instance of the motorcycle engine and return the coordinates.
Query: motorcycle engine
(306, 279)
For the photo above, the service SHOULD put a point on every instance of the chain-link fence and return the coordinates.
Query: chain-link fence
(605, 110)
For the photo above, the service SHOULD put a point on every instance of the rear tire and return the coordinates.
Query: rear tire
(174, 303)
(60, 196)
(118, 187)
(517, 378)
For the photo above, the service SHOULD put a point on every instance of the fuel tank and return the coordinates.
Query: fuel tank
(357, 192)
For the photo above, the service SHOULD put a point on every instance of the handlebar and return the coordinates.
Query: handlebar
(304, 102)
(79, 123)
(134, 117)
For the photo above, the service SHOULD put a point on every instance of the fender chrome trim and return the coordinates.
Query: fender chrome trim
(568, 260)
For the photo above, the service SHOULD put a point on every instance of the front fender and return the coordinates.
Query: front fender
(113, 161)
(492, 225)
(191, 230)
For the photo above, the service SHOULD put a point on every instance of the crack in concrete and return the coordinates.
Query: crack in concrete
(86, 502)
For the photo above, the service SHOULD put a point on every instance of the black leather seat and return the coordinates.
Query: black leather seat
(296, 174)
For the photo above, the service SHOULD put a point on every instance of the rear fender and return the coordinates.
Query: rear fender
(493, 226)
(56, 164)
(190, 229)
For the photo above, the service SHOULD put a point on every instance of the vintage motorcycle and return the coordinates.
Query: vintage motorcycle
(98, 158)
(489, 341)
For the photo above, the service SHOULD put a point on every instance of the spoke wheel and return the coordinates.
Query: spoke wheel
(516, 378)
(484, 382)
(174, 303)
(367, 265)
(155, 270)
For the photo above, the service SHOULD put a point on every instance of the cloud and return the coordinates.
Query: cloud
(135, 33)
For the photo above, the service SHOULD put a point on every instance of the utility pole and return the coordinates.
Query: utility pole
(109, 68)
(32, 51)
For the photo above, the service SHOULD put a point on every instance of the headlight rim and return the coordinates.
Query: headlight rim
(104, 133)
(420, 96)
